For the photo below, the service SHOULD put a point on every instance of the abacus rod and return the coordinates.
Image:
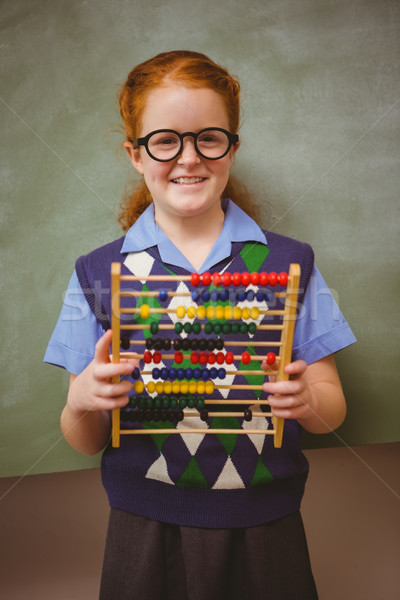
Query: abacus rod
(226, 343)
(135, 327)
(172, 356)
(199, 431)
(163, 311)
(248, 372)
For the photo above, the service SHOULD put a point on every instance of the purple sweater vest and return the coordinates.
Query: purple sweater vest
(213, 481)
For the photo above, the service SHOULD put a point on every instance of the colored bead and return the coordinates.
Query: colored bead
(166, 344)
(221, 373)
(216, 279)
(245, 313)
(167, 387)
(189, 373)
(211, 358)
(205, 296)
(182, 402)
(213, 373)
(125, 343)
(181, 312)
(192, 387)
(177, 344)
(203, 358)
(187, 328)
(135, 373)
(235, 328)
(195, 279)
(243, 329)
(224, 295)
(163, 295)
(209, 388)
(206, 279)
(205, 374)
(173, 402)
(283, 279)
(145, 311)
(204, 415)
(165, 402)
(155, 373)
(237, 313)
(219, 312)
(217, 328)
(159, 387)
(196, 328)
(226, 279)
(201, 312)
(250, 295)
(194, 344)
(180, 374)
(194, 358)
(203, 344)
(254, 313)
(271, 358)
(245, 279)
(178, 357)
(273, 279)
(149, 402)
(147, 357)
(178, 327)
(255, 278)
(263, 279)
(157, 402)
(219, 345)
(248, 415)
(210, 312)
(184, 387)
(260, 296)
(185, 345)
(132, 402)
(199, 402)
(176, 387)
(191, 312)
(157, 357)
(157, 343)
(246, 358)
(153, 328)
(214, 296)
(220, 358)
(208, 328)
(252, 327)
(229, 358)
(228, 311)
(201, 387)
(236, 279)
(241, 296)
(211, 344)
(195, 295)
(226, 328)
(196, 373)
(151, 387)
(191, 402)
(171, 373)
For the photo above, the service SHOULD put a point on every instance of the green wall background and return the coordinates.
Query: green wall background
(320, 133)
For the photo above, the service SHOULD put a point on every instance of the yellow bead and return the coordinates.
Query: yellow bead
(245, 313)
(255, 313)
(192, 387)
(159, 387)
(201, 387)
(209, 387)
(184, 387)
(219, 313)
(191, 312)
(145, 311)
(151, 387)
(228, 310)
(181, 312)
(176, 387)
(201, 312)
(237, 313)
(167, 387)
(139, 387)
(210, 312)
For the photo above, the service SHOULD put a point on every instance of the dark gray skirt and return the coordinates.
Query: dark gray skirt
(149, 560)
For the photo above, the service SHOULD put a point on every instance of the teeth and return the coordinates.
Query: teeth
(188, 179)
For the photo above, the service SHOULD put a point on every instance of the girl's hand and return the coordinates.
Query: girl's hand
(313, 395)
(291, 399)
(92, 390)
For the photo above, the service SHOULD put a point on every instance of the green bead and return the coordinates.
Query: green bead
(252, 328)
(196, 327)
(165, 402)
(243, 328)
(153, 327)
(208, 328)
(235, 328)
(226, 328)
(157, 402)
(173, 402)
(149, 402)
(217, 328)
(182, 402)
(141, 402)
(178, 327)
(187, 327)
(132, 402)
(191, 402)
(200, 403)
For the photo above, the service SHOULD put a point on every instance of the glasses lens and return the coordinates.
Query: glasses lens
(213, 143)
(164, 145)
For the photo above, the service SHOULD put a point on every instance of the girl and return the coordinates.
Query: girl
(196, 517)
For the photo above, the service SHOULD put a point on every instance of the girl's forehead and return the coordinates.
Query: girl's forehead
(176, 103)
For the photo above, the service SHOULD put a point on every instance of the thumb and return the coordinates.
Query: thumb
(102, 348)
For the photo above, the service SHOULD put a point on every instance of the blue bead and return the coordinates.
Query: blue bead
(221, 373)
(205, 295)
(214, 295)
(205, 375)
(163, 295)
(250, 295)
(172, 373)
(213, 373)
(156, 373)
(164, 373)
(180, 374)
(223, 295)
(136, 373)
(270, 296)
(195, 295)
(260, 296)
(196, 373)
(241, 296)
(189, 373)
(232, 296)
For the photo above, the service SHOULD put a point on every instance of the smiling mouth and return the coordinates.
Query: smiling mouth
(188, 180)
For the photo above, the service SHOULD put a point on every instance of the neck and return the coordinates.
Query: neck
(193, 236)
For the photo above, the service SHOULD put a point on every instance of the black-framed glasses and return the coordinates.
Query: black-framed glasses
(163, 145)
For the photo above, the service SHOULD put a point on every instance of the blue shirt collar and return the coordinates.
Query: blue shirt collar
(238, 227)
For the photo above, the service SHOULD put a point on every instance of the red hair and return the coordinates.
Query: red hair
(193, 70)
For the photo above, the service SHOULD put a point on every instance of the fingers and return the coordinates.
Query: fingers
(102, 348)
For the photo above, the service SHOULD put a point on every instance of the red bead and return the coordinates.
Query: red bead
(255, 278)
(220, 358)
(216, 279)
(147, 357)
(203, 358)
(263, 279)
(195, 279)
(206, 278)
(283, 279)
(246, 358)
(245, 279)
(273, 278)
(211, 358)
(236, 279)
(157, 357)
(229, 358)
(194, 358)
(178, 357)
(226, 279)
(271, 358)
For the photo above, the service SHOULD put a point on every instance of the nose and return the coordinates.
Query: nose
(188, 154)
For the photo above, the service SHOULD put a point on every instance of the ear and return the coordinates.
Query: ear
(233, 150)
(134, 156)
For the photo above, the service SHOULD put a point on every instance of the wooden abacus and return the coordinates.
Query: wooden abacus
(177, 390)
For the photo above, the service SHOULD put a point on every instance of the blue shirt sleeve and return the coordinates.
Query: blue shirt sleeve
(72, 343)
(321, 329)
